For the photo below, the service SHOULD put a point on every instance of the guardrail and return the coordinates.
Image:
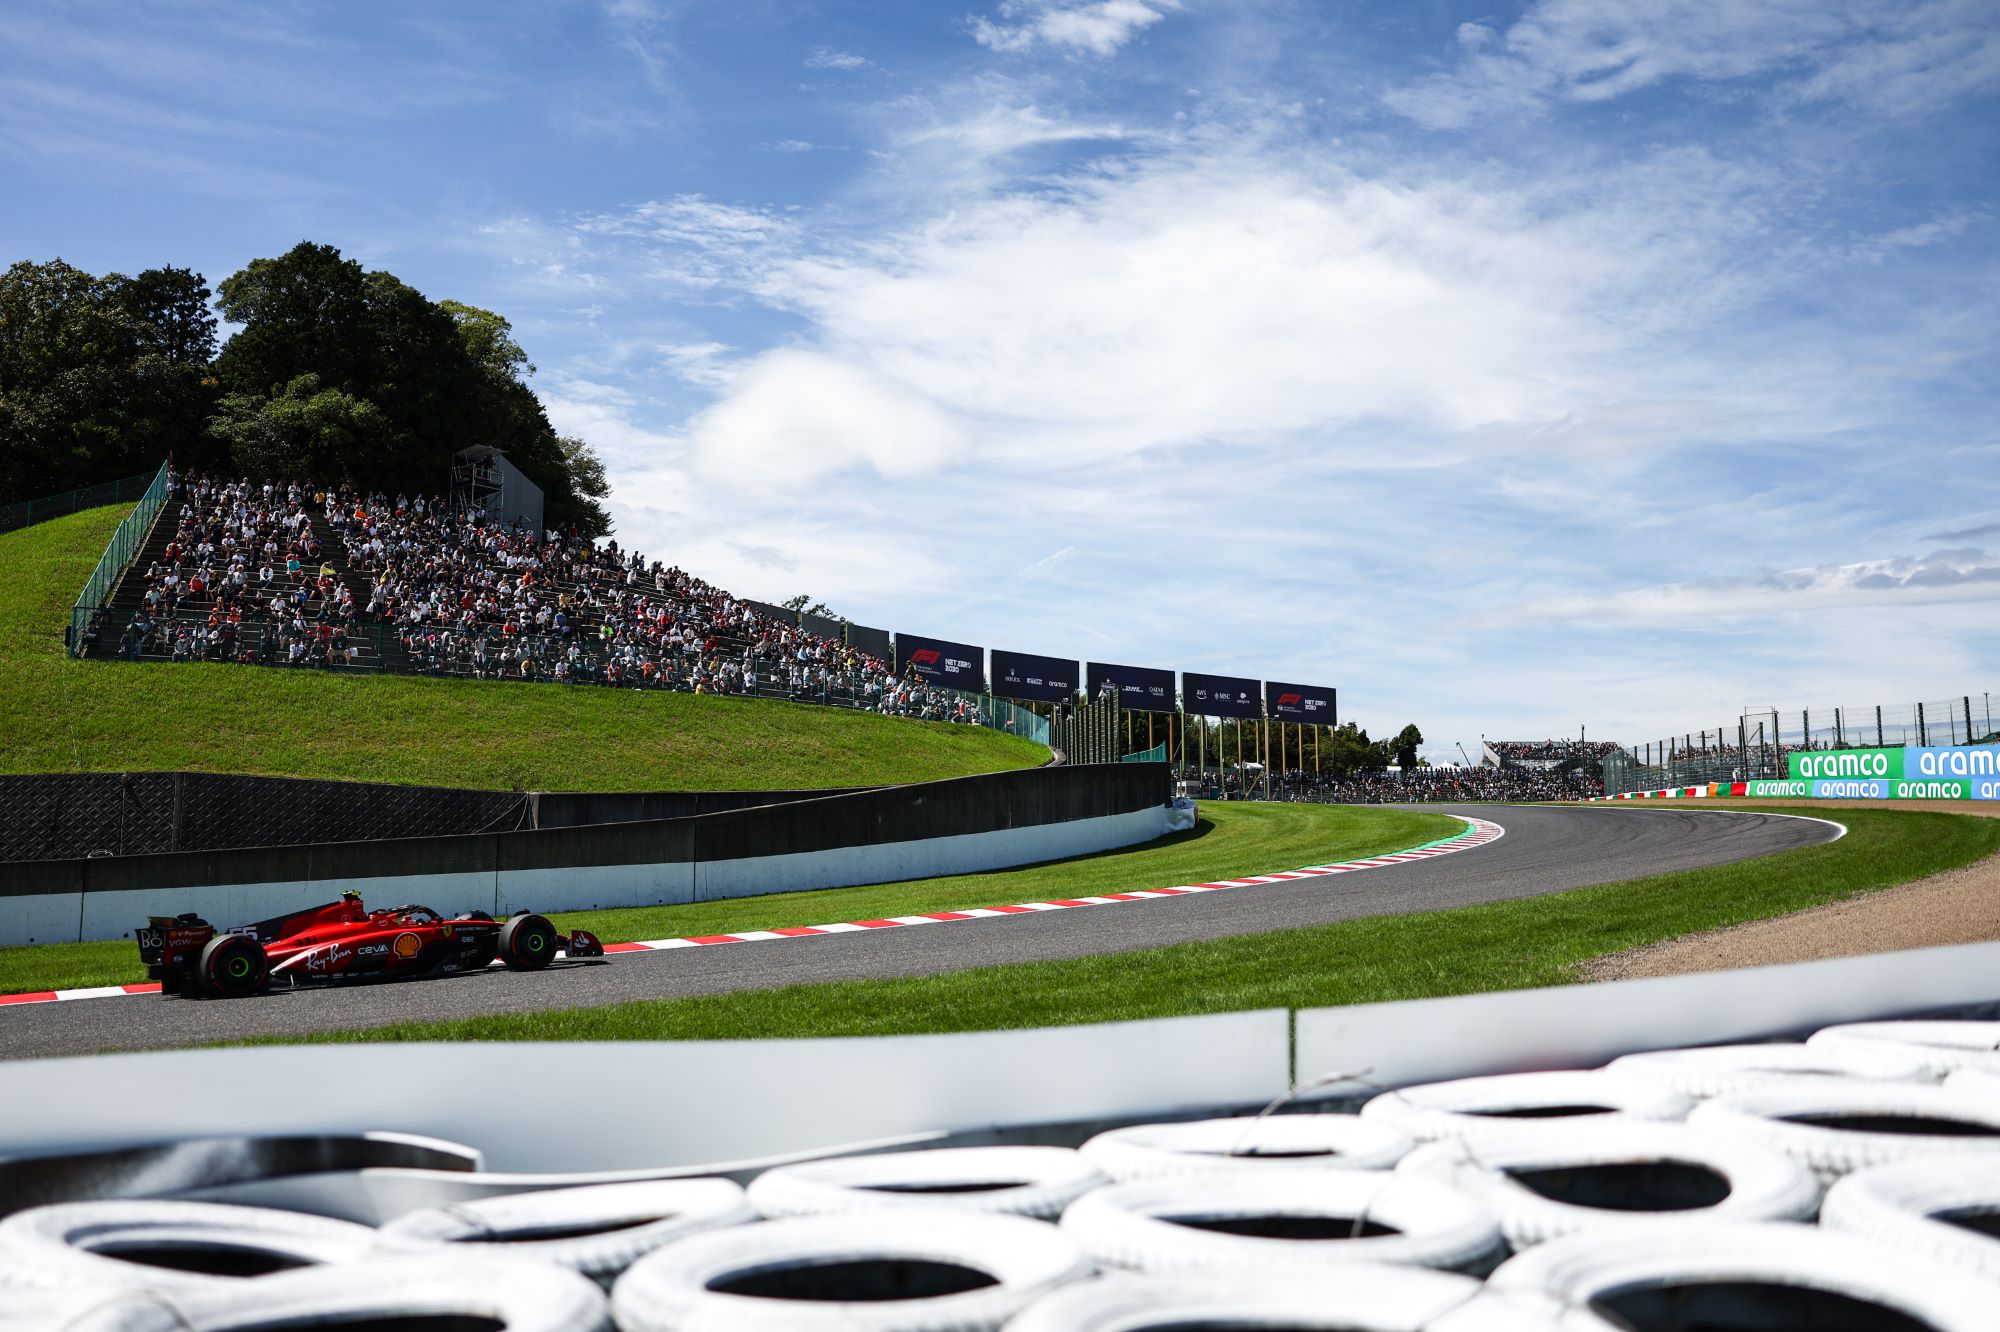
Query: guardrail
(124, 543)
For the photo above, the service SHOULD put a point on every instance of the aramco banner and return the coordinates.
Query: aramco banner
(1219, 696)
(1817, 765)
(1935, 763)
(954, 665)
(1140, 688)
(1315, 704)
(1040, 679)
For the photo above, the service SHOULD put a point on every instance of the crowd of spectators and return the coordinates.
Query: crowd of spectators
(241, 579)
(1551, 751)
(1414, 786)
(450, 592)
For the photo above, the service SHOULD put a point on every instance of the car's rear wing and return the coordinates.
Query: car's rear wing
(166, 942)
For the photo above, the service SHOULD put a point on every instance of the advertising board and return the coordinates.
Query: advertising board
(1316, 704)
(1041, 679)
(1141, 688)
(941, 662)
(1220, 695)
(1815, 764)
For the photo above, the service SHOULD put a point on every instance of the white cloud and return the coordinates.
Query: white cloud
(823, 57)
(1898, 57)
(1957, 575)
(1093, 27)
(793, 146)
(793, 416)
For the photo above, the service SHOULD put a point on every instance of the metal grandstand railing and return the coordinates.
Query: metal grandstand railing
(125, 542)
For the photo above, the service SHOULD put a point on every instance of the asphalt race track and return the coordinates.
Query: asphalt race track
(1547, 849)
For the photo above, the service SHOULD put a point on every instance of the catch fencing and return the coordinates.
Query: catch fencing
(1755, 745)
(26, 513)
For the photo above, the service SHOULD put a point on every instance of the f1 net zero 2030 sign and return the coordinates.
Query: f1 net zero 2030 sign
(953, 665)
(1316, 704)
(1140, 688)
(1219, 695)
(1040, 679)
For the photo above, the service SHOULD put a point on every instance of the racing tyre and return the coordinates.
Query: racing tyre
(1510, 1104)
(1840, 1127)
(859, 1272)
(598, 1231)
(1362, 1298)
(121, 1245)
(412, 1292)
(1276, 1142)
(1945, 1206)
(1016, 1181)
(1717, 1070)
(1301, 1223)
(231, 966)
(1749, 1276)
(528, 943)
(1945, 1045)
(1627, 1176)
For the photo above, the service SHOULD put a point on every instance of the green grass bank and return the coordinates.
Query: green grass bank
(81, 716)
(1503, 946)
(1229, 842)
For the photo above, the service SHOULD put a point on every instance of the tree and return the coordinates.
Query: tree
(305, 432)
(1349, 750)
(68, 352)
(805, 605)
(489, 339)
(1405, 746)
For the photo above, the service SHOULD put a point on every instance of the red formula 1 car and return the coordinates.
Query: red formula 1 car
(344, 941)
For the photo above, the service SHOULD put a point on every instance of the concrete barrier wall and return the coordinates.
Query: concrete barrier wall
(871, 836)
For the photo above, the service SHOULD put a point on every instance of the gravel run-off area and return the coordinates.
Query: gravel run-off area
(1959, 906)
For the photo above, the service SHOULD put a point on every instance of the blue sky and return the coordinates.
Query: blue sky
(1511, 368)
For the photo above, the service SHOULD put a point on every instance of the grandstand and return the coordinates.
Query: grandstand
(269, 574)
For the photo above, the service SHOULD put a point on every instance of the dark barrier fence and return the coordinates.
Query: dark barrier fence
(64, 816)
(26, 513)
(803, 822)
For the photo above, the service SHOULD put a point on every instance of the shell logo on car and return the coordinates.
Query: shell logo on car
(407, 945)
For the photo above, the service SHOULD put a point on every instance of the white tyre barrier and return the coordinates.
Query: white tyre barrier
(1365, 1297)
(1717, 1070)
(413, 1292)
(1750, 1277)
(1840, 1127)
(1977, 1080)
(1943, 1045)
(1945, 1206)
(598, 1231)
(1508, 1103)
(1275, 1142)
(1620, 1176)
(128, 1245)
(1309, 1221)
(1016, 1181)
(885, 1271)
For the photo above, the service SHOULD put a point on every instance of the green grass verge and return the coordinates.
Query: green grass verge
(1503, 946)
(71, 716)
(1230, 841)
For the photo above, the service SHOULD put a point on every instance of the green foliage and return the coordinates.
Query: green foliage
(1405, 745)
(1521, 944)
(100, 377)
(337, 372)
(305, 432)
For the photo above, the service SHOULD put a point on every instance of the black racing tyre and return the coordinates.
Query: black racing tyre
(528, 943)
(231, 967)
(477, 915)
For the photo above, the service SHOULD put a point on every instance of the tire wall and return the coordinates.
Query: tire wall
(963, 825)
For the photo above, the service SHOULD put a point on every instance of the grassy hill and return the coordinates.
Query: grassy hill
(59, 715)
